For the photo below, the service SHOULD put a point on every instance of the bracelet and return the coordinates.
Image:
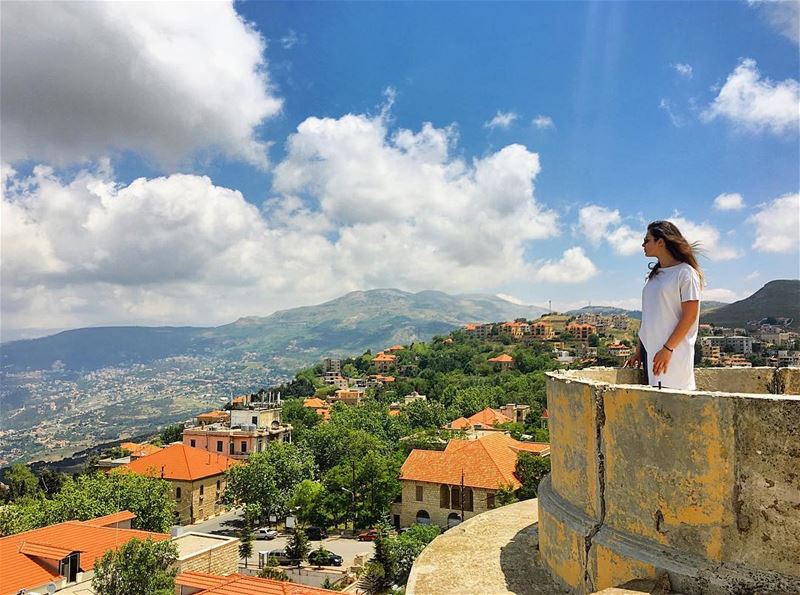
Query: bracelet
(667, 348)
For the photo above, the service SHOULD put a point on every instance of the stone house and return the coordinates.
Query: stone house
(432, 480)
(197, 478)
(504, 361)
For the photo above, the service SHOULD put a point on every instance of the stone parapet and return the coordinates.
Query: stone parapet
(703, 485)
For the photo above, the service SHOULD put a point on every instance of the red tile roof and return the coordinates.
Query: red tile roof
(502, 358)
(384, 357)
(489, 417)
(180, 462)
(487, 463)
(237, 584)
(112, 519)
(395, 348)
(25, 558)
(314, 403)
(459, 424)
(139, 450)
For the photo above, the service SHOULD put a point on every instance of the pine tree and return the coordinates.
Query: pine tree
(298, 547)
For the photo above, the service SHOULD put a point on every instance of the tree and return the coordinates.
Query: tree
(384, 557)
(531, 469)
(21, 482)
(90, 496)
(505, 495)
(329, 584)
(249, 518)
(309, 500)
(137, 568)
(426, 414)
(273, 570)
(297, 548)
(173, 433)
(470, 400)
(51, 481)
(320, 554)
(270, 477)
(373, 579)
(408, 546)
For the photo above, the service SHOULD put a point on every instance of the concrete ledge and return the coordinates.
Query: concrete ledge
(568, 546)
(493, 553)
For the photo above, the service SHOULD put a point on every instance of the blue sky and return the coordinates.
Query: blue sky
(285, 153)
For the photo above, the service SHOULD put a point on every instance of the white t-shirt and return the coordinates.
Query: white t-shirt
(661, 311)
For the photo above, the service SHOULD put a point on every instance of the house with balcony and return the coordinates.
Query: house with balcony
(384, 362)
(250, 430)
(437, 485)
(581, 332)
(542, 331)
(350, 396)
(197, 478)
(62, 556)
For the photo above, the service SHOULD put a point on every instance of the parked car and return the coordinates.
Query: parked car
(368, 535)
(324, 558)
(264, 533)
(282, 557)
(316, 533)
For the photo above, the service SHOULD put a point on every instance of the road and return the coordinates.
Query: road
(225, 524)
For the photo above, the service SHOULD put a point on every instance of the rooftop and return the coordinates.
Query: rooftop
(238, 584)
(181, 462)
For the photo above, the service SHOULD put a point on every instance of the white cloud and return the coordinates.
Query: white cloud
(574, 267)
(783, 15)
(598, 224)
(80, 79)
(708, 237)
(684, 70)
(752, 276)
(677, 120)
(720, 294)
(290, 40)
(510, 298)
(355, 207)
(756, 103)
(541, 122)
(778, 225)
(501, 120)
(729, 202)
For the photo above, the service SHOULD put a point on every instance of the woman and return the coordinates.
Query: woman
(670, 309)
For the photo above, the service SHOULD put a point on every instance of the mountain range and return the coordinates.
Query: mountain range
(780, 298)
(350, 324)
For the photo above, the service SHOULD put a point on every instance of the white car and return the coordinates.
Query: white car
(265, 533)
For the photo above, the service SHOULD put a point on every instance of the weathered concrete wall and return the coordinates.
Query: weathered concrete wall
(705, 485)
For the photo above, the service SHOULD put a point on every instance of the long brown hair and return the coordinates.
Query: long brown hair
(677, 245)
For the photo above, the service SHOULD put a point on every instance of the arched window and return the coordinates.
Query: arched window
(444, 497)
(453, 519)
(455, 500)
(468, 499)
(423, 518)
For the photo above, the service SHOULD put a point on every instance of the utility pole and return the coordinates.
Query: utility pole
(462, 494)
(353, 492)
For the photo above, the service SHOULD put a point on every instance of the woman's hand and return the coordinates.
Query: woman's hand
(633, 361)
(661, 361)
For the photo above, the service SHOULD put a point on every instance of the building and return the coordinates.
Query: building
(515, 413)
(136, 450)
(413, 396)
(478, 330)
(516, 329)
(332, 365)
(394, 349)
(432, 480)
(788, 358)
(319, 406)
(202, 583)
(557, 321)
(620, 350)
(197, 478)
(711, 353)
(64, 554)
(739, 344)
(213, 417)
(580, 331)
(350, 396)
(503, 361)
(250, 430)
(734, 360)
(384, 362)
(543, 330)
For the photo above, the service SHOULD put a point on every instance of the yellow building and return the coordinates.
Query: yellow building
(197, 478)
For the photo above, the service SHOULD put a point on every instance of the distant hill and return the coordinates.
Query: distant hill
(779, 298)
(637, 314)
(350, 324)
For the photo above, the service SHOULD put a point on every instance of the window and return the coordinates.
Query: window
(455, 499)
(254, 420)
(192, 443)
(444, 497)
(178, 493)
(218, 485)
(419, 493)
(244, 446)
(201, 489)
(231, 446)
(219, 445)
(490, 501)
